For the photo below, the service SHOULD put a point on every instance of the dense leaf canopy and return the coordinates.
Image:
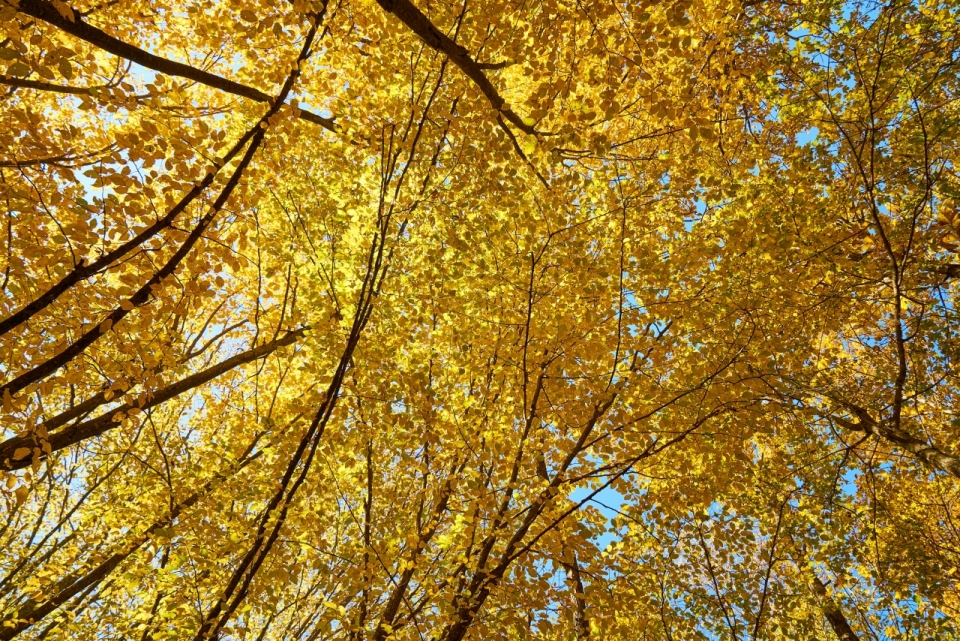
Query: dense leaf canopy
(397, 319)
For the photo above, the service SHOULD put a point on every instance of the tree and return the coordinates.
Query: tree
(329, 319)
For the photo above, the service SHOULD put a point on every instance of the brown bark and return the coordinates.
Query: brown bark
(581, 625)
(832, 611)
(32, 612)
(357, 633)
(143, 294)
(485, 580)
(83, 271)
(268, 529)
(274, 516)
(94, 427)
(411, 16)
(390, 610)
(62, 160)
(931, 456)
(43, 86)
(47, 12)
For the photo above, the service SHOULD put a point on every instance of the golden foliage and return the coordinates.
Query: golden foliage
(395, 320)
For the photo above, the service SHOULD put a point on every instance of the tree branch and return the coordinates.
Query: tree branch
(94, 427)
(47, 12)
(930, 455)
(411, 16)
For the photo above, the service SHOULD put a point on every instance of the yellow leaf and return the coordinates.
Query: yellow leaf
(64, 10)
(529, 144)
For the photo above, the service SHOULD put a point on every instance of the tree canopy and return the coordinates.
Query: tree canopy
(560, 320)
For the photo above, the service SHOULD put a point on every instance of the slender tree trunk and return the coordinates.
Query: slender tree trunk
(581, 624)
(357, 633)
(831, 610)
